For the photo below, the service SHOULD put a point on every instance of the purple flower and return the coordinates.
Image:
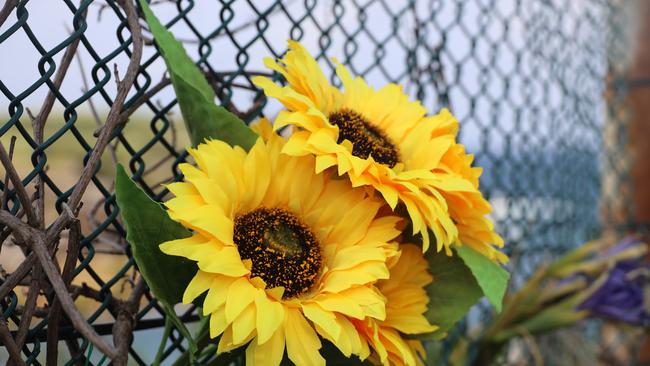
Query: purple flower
(623, 295)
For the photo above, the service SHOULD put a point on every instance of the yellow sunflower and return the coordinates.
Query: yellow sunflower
(406, 303)
(383, 140)
(284, 254)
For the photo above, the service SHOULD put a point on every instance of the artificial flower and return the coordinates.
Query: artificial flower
(381, 139)
(406, 303)
(284, 254)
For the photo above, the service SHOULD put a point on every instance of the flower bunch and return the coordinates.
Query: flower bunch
(605, 279)
(298, 242)
(383, 140)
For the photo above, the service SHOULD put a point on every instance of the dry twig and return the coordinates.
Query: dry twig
(7, 8)
(74, 239)
(43, 242)
(37, 241)
(23, 197)
(9, 343)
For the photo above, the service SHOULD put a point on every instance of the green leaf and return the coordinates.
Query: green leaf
(491, 277)
(452, 293)
(163, 341)
(203, 118)
(203, 343)
(147, 226)
(171, 314)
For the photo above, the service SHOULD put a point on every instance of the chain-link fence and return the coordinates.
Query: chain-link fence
(526, 78)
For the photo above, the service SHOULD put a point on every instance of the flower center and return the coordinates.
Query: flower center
(283, 250)
(367, 140)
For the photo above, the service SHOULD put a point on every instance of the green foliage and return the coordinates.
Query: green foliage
(491, 277)
(147, 226)
(548, 318)
(453, 291)
(203, 118)
(171, 314)
(163, 341)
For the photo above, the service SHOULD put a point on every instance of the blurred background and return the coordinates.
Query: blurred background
(552, 96)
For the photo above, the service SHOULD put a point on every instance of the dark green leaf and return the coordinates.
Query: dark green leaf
(491, 277)
(147, 226)
(203, 118)
(452, 293)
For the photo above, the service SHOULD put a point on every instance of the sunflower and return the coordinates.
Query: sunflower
(285, 255)
(406, 303)
(383, 140)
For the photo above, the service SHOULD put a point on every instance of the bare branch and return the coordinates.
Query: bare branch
(114, 113)
(23, 197)
(5, 192)
(61, 290)
(16, 276)
(39, 312)
(52, 234)
(38, 122)
(125, 322)
(30, 305)
(74, 239)
(144, 98)
(6, 10)
(8, 341)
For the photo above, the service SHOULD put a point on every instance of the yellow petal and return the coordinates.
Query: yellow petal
(226, 343)
(195, 247)
(354, 223)
(210, 220)
(257, 170)
(269, 353)
(270, 315)
(244, 325)
(371, 301)
(226, 262)
(240, 294)
(301, 339)
(182, 189)
(218, 322)
(410, 324)
(198, 285)
(349, 341)
(367, 272)
(217, 293)
(352, 256)
(341, 304)
(326, 320)
(324, 161)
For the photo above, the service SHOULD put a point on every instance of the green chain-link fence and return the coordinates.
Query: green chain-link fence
(526, 78)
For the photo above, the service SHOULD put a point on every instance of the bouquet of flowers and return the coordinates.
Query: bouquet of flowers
(355, 238)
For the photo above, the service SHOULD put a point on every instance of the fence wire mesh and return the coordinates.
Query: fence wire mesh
(526, 78)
